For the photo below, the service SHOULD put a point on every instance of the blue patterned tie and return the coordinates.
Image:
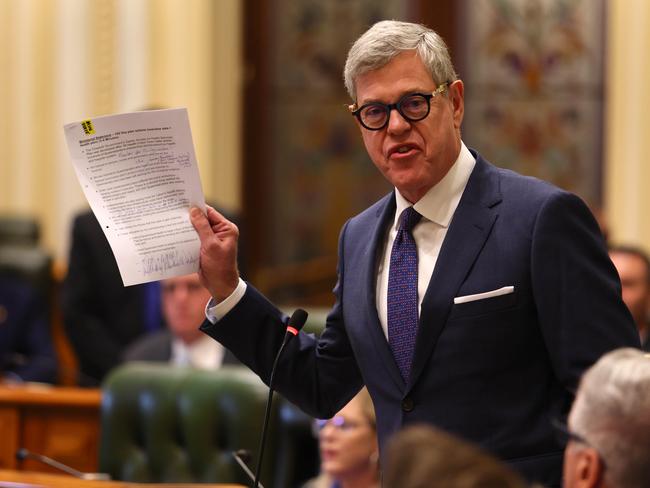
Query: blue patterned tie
(403, 293)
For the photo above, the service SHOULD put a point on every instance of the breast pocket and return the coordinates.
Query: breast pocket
(484, 306)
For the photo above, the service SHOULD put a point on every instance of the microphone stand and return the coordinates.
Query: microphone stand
(22, 454)
(296, 323)
(239, 456)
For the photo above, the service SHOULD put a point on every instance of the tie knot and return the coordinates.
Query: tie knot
(409, 218)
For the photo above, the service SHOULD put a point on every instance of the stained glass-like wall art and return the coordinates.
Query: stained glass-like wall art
(533, 71)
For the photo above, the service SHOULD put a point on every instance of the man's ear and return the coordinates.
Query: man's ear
(589, 468)
(457, 97)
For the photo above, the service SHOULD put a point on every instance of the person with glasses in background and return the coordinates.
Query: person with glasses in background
(348, 447)
(608, 434)
(470, 297)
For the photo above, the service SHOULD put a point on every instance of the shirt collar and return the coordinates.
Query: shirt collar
(202, 353)
(440, 202)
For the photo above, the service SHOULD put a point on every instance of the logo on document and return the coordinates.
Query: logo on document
(88, 126)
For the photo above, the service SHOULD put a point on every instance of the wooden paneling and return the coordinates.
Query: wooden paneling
(9, 429)
(58, 422)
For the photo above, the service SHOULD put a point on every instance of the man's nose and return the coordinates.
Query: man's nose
(397, 124)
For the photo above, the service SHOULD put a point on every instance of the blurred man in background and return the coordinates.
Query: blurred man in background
(633, 266)
(609, 424)
(101, 315)
(181, 343)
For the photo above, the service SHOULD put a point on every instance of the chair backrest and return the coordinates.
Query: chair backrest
(19, 230)
(30, 264)
(163, 423)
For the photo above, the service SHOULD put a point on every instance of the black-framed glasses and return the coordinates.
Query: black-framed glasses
(413, 107)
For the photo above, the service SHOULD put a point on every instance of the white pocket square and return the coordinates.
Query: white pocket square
(482, 296)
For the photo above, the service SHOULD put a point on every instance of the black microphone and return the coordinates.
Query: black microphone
(296, 322)
(242, 456)
(22, 454)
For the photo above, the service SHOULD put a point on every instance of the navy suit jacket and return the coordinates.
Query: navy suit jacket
(494, 371)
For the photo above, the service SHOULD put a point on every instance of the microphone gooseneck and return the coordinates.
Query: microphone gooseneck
(22, 454)
(242, 456)
(296, 322)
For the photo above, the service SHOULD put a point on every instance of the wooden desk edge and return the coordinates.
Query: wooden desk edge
(38, 480)
(50, 395)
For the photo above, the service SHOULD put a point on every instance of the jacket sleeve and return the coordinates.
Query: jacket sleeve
(577, 290)
(320, 375)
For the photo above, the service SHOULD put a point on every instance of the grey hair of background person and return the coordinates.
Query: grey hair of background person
(388, 38)
(612, 412)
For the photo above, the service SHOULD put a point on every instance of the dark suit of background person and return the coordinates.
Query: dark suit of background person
(101, 315)
(26, 350)
(494, 371)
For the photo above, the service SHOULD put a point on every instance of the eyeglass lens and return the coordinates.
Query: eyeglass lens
(412, 107)
(337, 421)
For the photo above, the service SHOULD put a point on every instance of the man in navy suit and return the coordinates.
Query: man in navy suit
(513, 293)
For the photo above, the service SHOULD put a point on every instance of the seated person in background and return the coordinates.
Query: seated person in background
(182, 343)
(633, 266)
(101, 316)
(26, 350)
(609, 424)
(421, 456)
(348, 447)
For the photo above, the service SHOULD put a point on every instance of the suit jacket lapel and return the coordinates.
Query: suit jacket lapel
(384, 217)
(465, 238)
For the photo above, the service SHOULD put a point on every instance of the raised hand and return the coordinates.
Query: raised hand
(218, 257)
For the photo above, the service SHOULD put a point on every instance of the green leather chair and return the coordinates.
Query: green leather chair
(162, 423)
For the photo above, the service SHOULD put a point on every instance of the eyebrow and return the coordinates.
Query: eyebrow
(399, 97)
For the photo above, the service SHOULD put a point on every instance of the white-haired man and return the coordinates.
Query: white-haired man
(470, 297)
(609, 424)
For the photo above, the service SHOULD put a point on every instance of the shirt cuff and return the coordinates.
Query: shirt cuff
(214, 311)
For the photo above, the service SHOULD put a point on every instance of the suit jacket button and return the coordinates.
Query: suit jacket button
(407, 404)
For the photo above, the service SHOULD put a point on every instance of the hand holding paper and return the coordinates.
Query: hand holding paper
(218, 270)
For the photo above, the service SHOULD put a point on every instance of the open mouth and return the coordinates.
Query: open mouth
(403, 150)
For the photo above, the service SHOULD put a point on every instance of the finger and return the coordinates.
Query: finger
(215, 217)
(220, 224)
(200, 223)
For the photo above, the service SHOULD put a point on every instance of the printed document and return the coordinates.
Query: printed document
(139, 173)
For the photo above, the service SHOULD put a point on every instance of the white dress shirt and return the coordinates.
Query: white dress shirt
(437, 208)
(203, 353)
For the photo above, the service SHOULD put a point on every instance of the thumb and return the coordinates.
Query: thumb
(200, 223)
